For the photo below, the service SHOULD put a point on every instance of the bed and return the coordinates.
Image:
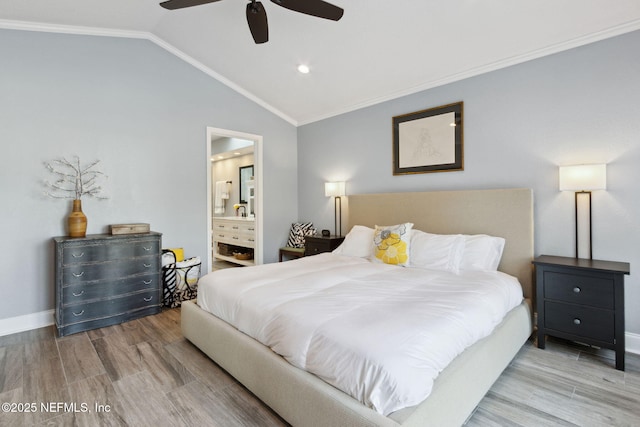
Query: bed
(303, 399)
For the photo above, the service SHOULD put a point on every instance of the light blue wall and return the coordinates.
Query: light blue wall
(520, 123)
(143, 112)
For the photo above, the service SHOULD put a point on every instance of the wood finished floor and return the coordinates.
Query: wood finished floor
(149, 375)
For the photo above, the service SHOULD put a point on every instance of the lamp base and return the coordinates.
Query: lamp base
(583, 225)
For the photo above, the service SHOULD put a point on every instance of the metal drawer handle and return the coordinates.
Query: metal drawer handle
(78, 256)
(147, 282)
(576, 321)
(252, 229)
(146, 248)
(78, 314)
(235, 228)
(146, 265)
(235, 238)
(77, 295)
(78, 275)
(251, 240)
(576, 290)
(147, 300)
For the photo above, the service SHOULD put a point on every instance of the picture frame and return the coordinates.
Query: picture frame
(429, 140)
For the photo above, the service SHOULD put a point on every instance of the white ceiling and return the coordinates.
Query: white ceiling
(378, 51)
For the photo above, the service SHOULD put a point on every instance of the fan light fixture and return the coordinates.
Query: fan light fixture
(257, 16)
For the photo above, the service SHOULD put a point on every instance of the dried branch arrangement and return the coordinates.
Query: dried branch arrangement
(74, 181)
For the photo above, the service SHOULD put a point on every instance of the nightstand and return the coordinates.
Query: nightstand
(581, 300)
(318, 244)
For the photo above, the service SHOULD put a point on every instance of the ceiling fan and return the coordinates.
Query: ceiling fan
(257, 17)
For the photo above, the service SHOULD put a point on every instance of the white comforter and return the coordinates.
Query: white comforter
(380, 333)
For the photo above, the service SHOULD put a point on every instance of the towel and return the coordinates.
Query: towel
(223, 189)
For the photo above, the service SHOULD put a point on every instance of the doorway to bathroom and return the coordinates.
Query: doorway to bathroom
(234, 198)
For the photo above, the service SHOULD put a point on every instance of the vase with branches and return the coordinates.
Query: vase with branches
(73, 181)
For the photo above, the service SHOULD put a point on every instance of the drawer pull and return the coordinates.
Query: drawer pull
(77, 295)
(251, 240)
(235, 228)
(252, 229)
(146, 248)
(78, 255)
(235, 238)
(577, 321)
(146, 265)
(147, 282)
(78, 275)
(78, 314)
(147, 300)
(576, 290)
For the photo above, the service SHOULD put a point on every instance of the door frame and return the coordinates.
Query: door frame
(257, 173)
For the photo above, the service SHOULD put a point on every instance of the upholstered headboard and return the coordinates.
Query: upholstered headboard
(505, 213)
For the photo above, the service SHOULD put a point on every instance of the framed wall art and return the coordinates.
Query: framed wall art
(428, 140)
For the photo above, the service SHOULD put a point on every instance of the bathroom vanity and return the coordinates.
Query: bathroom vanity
(234, 235)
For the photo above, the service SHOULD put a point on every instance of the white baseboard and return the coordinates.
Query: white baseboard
(632, 343)
(26, 322)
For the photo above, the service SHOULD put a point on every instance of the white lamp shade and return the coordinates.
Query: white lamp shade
(334, 189)
(583, 177)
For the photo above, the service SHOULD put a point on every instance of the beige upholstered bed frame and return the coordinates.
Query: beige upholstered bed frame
(306, 401)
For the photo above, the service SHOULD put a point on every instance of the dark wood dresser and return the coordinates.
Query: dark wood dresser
(105, 279)
(582, 300)
(317, 244)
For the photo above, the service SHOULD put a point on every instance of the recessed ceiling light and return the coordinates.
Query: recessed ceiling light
(304, 69)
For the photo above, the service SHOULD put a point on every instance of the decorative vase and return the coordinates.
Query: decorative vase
(77, 220)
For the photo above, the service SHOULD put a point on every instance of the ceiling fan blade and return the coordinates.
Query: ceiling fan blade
(257, 20)
(318, 8)
(179, 4)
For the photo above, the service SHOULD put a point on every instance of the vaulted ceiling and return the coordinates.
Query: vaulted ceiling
(379, 50)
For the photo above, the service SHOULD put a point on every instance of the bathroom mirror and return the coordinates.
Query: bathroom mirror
(246, 174)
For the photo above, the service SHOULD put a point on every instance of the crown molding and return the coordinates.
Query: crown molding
(109, 32)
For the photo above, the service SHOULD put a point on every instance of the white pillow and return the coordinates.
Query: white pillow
(482, 252)
(357, 242)
(436, 251)
(392, 243)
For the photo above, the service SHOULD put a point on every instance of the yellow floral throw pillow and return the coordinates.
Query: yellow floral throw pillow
(391, 244)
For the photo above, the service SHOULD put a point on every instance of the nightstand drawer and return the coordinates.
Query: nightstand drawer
(314, 245)
(590, 290)
(317, 247)
(592, 323)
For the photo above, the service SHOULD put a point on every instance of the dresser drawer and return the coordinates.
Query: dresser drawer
(591, 290)
(109, 307)
(99, 251)
(79, 293)
(78, 273)
(587, 322)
